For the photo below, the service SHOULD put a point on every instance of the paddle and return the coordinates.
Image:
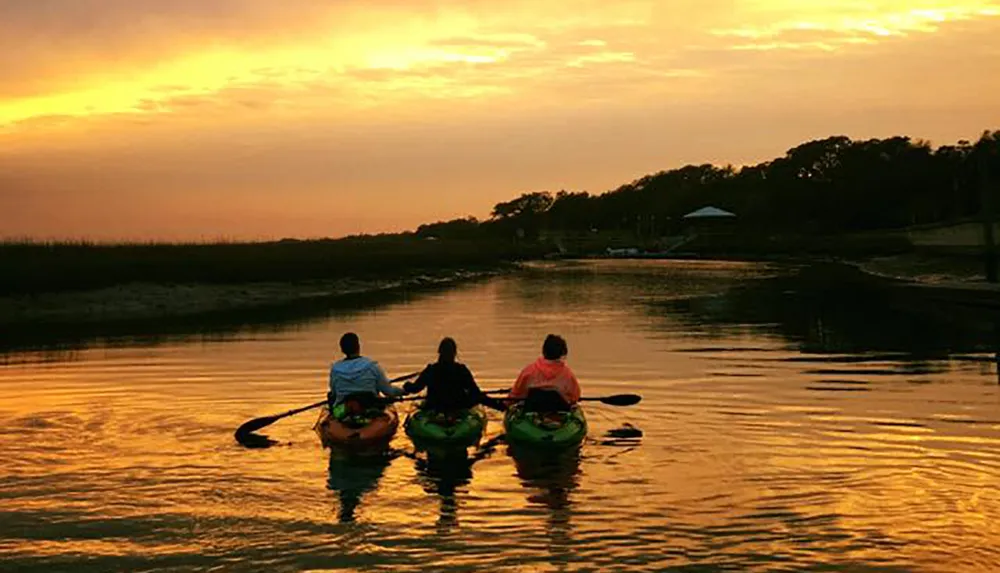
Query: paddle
(388, 401)
(263, 422)
(615, 399)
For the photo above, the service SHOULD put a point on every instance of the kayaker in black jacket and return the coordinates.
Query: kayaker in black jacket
(450, 385)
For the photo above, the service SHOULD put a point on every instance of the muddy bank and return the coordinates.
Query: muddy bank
(949, 287)
(927, 269)
(148, 302)
(959, 280)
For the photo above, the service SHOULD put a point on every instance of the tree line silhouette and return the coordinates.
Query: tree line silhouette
(811, 201)
(824, 187)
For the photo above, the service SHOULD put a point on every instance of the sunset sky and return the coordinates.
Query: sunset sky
(257, 119)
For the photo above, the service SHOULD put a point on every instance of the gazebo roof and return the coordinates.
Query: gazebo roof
(709, 213)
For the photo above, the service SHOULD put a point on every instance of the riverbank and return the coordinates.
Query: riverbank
(150, 301)
(949, 287)
(34, 268)
(80, 283)
(927, 269)
(61, 275)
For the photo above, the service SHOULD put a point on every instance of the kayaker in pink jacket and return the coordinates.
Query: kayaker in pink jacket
(549, 373)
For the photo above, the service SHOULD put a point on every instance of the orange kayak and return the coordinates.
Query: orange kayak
(374, 431)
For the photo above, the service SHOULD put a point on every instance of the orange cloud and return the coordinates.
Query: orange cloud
(192, 49)
(234, 107)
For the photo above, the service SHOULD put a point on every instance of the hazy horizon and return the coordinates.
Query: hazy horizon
(243, 119)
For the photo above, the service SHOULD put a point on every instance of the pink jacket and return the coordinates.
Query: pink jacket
(550, 375)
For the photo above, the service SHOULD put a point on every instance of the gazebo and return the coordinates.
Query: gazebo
(709, 213)
(709, 221)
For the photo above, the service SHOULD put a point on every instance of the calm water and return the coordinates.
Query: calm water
(791, 423)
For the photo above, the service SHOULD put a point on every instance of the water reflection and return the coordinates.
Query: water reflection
(827, 310)
(585, 286)
(353, 474)
(551, 477)
(444, 470)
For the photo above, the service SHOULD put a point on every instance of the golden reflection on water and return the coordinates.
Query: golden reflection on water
(754, 455)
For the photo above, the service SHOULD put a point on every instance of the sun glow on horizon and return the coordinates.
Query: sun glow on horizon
(852, 26)
(354, 69)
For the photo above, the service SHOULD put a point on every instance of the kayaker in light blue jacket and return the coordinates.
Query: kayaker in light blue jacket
(357, 377)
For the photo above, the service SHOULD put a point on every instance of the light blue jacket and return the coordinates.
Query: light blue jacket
(361, 374)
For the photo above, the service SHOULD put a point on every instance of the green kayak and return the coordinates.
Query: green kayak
(463, 427)
(550, 429)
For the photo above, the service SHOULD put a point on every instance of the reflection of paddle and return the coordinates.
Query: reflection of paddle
(265, 421)
(626, 431)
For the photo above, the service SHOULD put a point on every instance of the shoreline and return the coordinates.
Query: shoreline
(941, 278)
(935, 283)
(144, 301)
(927, 270)
(959, 282)
(952, 289)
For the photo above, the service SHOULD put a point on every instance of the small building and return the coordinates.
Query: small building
(709, 213)
(709, 221)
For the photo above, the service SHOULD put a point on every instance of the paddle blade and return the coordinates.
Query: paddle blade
(256, 424)
(620, 399)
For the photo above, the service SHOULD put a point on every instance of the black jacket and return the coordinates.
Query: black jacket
(450, 386)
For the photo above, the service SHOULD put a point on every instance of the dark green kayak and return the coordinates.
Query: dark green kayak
(551, 429)
(463, 427)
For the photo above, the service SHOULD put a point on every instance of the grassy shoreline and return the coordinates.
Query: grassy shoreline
(150, 301)
(33, 268)
(81, 283)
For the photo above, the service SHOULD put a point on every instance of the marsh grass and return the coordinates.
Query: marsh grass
(36, 267)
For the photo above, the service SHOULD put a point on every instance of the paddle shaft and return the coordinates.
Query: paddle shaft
(613, 400)
(422, 397)
(302, 409)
